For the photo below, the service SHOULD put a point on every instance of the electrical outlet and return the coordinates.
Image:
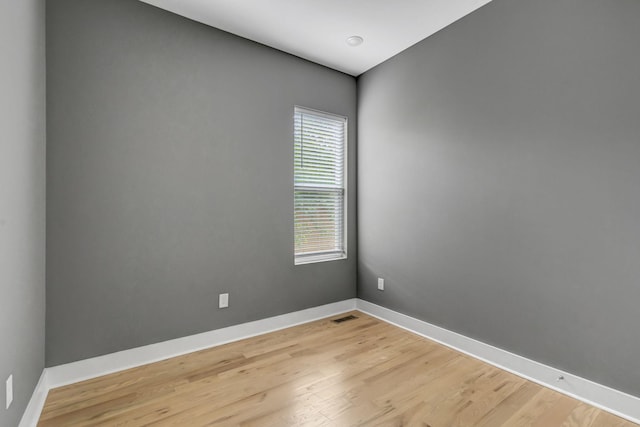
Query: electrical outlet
(9, 390)
(380, 284)
(223, 300)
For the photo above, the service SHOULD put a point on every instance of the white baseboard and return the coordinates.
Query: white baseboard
(36, 403)
(608, 399)
(603, 397)
(70, 373)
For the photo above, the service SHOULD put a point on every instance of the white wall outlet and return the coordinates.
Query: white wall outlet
(380, 284)
(223, 300)
(9, 390)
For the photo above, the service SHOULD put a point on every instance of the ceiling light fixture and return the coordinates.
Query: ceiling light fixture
(354, 41)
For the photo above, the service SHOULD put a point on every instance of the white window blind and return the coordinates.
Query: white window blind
(319, 185)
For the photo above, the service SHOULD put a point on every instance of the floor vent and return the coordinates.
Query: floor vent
(344, 319)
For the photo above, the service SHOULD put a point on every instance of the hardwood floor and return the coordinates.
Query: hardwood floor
(360, 372)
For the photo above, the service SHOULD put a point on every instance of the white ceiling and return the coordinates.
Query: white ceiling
(317, 29)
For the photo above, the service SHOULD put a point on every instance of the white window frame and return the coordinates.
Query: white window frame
(332, 256)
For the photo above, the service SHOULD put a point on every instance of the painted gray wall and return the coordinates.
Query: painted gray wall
(498, 183)
(22, 201)
(170, 178)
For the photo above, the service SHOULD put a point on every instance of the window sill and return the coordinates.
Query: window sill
(312, 259)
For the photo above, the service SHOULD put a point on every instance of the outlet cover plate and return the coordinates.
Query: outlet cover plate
(380, 284)
(223, 301)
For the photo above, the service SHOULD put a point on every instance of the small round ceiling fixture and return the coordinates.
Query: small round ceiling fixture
(354, 41)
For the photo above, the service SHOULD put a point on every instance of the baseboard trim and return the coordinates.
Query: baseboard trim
(600, 396)
(69, 373)
(58, 376)
(603, 397)
(32, 413)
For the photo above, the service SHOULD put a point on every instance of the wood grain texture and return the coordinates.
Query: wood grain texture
(360, 372)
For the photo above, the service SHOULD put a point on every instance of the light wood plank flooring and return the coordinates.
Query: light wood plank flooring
(360, 372)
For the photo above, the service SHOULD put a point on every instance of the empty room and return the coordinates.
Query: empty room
(320, 213)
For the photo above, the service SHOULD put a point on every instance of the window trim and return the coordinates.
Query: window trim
(316, 257)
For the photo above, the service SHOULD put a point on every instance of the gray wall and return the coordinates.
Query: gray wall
(170, 178)
(498, 183)
(22, 201)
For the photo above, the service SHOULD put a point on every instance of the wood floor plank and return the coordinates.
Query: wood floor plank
(534, 409)
(499, 414)
(361, 372)
(487, 397)
(582, 416)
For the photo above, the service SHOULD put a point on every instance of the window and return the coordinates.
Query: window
(320, 146)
